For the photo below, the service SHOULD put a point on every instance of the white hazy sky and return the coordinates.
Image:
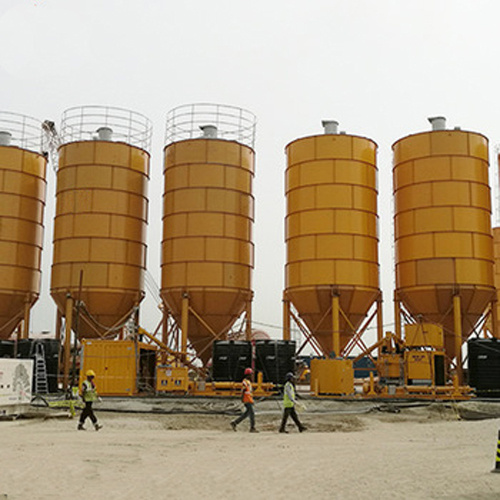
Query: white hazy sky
(378, 67)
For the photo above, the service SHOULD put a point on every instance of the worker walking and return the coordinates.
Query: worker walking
(247, 398)
(289, 402)
(89, 395)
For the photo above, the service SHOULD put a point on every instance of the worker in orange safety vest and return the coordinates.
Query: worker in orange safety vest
(247, 398)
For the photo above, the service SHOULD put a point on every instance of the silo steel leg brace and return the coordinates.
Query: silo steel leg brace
(457, 315)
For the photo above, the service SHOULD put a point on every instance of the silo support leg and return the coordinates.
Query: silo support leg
(286, 318)
(494, 318)
(26, 321)
(457, 317)
(336, 325)
(248, 326)
(58, 325)
(184, 324)
(67, 341)
(397, 317)
(380, 324)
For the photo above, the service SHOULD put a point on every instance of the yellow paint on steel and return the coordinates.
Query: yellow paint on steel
(331, 231)
(443, 239)
(207, 250)
(100, 228)
(22, 202)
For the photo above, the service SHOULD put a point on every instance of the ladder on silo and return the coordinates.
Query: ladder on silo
(41, 382)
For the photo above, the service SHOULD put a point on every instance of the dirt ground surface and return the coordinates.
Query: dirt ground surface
(416, 453)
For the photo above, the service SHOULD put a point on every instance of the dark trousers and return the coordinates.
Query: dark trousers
(290, 412)
(88, 412)
(249, 412)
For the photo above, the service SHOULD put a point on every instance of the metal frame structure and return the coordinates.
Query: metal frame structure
(82, 122)
(26, 131)
(175, 335)
(457, 363)
(233, 123)
(289, 313)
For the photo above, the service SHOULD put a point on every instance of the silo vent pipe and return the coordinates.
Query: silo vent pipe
(105, 134)
(209, 131)
(5, 138)
(437, 122)
(330, 126)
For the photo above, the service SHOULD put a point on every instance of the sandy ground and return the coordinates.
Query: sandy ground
(417, 453)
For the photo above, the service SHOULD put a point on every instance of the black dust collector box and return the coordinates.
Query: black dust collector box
(484, 366)
(229, 360)
(275, 358)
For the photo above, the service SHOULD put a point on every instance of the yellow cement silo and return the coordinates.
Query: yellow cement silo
(332, 270)
(22, 202)
(208, 212)
(443, 237)
(101, 217)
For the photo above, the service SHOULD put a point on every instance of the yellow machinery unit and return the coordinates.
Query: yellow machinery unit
(207, 249)
(332, 377)
(424, 335)
(424, 367)
(122, 367)
(172, 379)
(332, 268)
(389, 367)
(22, 203)
(101, 217)
(443, 240)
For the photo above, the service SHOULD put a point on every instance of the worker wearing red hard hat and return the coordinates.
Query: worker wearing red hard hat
(247, 398)
(89, 395)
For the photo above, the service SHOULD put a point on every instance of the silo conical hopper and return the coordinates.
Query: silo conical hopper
(208, 211)
(443, 237)
(331, 233)
(22, 203)
(101, 216)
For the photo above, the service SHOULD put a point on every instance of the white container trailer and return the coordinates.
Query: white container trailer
(16, 377)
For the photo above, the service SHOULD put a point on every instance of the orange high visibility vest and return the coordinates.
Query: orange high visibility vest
(247, 391)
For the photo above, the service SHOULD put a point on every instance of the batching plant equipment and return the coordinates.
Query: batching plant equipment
(22, 203)
(443, 236)
(101, 216)
(208, 212)
(332, 269)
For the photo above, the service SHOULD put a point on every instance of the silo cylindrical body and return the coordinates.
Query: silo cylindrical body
(22, 202)
(207, 249)
(443, 236)
(331, 232)
(100, 231)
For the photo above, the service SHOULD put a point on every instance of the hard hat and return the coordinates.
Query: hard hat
(248, 371)
(289, 375)
(90, 373)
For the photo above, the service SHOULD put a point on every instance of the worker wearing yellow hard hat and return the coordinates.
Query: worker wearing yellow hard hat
(89, 395)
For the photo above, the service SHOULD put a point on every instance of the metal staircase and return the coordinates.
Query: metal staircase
(41, 382)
